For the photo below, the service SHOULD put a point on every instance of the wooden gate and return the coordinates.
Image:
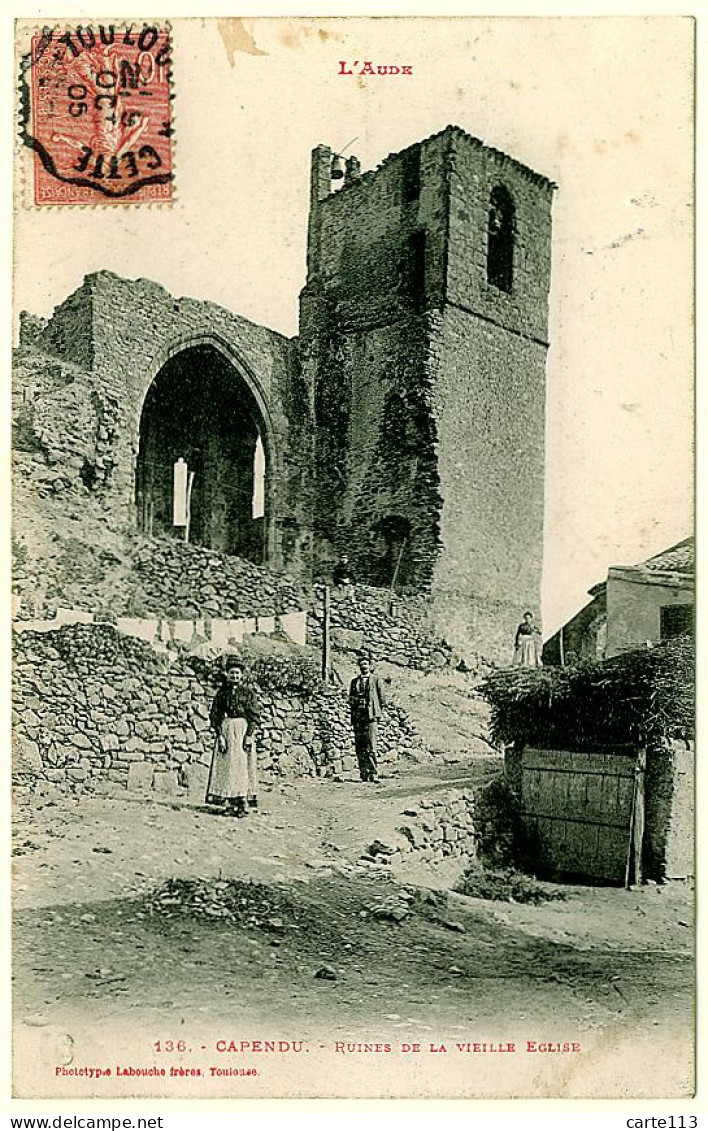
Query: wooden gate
(583, 814)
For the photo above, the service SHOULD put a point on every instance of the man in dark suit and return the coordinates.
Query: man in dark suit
(366, 703)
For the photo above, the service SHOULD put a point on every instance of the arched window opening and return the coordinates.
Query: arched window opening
(259, 469)
(500, 240)
(416, 268)
(202, 468)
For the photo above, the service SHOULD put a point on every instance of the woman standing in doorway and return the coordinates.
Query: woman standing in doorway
(235, 714)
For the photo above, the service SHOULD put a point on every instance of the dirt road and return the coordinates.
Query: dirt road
(104, 979)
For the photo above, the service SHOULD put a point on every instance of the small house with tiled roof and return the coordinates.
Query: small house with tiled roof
(651, 601)
(637, 605)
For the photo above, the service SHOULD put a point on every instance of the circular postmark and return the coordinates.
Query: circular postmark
(96, 104)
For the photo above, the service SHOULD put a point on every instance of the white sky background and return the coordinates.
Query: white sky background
(602, 106)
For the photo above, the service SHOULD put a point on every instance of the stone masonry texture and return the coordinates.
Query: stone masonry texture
(120, 333)
(97, 711)
(439, 827)
(429, 382)
(404, 425)
(670, 810)
(401, 635)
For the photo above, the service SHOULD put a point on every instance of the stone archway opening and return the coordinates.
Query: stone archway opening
(202, 472)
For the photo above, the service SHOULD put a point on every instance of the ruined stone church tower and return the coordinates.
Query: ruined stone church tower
(424, 333)
(404, 425)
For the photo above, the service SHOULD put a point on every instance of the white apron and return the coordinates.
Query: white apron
(228, 777)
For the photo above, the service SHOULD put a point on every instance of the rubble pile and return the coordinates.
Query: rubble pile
(392, 908)
(505, 885)
(272, 909)
(432, 830)
(95, 710)
(134, 575)
(241, 903)
(398, 635)
(177, 580)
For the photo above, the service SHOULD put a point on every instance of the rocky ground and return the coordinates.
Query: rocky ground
(67, 556)
(274, 928)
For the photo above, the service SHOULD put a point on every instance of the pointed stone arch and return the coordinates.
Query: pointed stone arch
(204, 404)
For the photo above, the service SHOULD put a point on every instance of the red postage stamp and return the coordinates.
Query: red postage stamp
(96, 112)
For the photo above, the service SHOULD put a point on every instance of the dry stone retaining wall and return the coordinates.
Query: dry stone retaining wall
(396, 735)
(363, 621)
(94, 710)
(190, 581)
(438, 827)
(136, 576)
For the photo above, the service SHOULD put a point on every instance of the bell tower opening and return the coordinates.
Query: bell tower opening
(202, 471)
(500, 241)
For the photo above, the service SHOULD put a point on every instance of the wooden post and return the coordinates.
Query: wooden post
(326, 661)
(633, 867)
(639, 817)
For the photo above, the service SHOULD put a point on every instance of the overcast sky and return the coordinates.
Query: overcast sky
(601, 106)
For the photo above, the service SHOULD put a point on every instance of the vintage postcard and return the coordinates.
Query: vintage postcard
(353, 557)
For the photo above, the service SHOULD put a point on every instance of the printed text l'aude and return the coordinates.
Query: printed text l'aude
(368, 68)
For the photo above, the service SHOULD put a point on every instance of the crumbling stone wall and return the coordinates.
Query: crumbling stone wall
(117, 334)
(405, 425)
(403, 637)
(375, 450)
(31, 327)
(439, 827)
(69, 334)
(359, 236)
(363, 341)
(94, 710)
(131, 575)
(63, 429)
(430, 380)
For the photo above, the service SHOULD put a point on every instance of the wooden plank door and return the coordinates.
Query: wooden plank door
(583, 813)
